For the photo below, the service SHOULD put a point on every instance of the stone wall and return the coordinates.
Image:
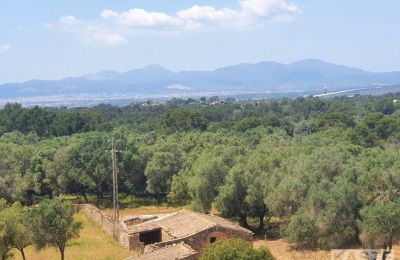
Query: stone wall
(201, 240)
(104, 222)
(138, 220)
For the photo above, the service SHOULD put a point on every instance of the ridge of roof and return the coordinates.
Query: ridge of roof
(184, 223)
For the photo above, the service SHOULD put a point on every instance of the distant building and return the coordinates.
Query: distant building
(185, 234)
(214, 103)
(214, 99)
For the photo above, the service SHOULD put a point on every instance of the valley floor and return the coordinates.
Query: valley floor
(283, 251)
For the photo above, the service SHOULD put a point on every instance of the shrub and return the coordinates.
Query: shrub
(301, 230)
(235, 249)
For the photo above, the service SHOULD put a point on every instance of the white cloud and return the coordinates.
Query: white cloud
(4, 48)
(141, 18)
(265, 8)
(68, 20)
(109, 14)
(94, 34)
(90, 33)
(250, 12)
(115, 28)
(203, 16)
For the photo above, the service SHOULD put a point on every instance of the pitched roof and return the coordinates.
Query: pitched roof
(185, 223)
(172, 252)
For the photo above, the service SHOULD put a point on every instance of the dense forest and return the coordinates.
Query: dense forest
(329, 169)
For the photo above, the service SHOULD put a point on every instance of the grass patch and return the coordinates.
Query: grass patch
(92, 244)
(146, 210)
(125, 201)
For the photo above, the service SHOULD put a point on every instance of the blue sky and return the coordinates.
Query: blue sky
(51, 39)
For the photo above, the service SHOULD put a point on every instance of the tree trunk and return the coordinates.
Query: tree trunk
(388, 250)
(261, 224)
(21, 250)
(85, 197)
(243, 221)
(99, 197)
(62, 249)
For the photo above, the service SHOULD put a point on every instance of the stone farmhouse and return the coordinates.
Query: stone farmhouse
(180, 235)
(195, 230)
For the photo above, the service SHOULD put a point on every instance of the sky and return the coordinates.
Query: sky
(53, 39)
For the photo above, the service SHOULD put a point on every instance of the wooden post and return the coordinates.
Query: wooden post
(115, 181)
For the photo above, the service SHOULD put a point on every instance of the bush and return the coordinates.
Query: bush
(380, 225)
(235, 249)
(301, 230)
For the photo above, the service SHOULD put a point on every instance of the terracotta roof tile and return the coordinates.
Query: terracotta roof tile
(185, 223)
(172, 252)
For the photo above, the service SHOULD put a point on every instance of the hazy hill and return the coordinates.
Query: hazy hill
(305, 75)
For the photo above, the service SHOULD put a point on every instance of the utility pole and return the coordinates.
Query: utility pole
(115, 180)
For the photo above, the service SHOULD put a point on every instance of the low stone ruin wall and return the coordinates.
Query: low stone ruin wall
(115, 229)
(201, 240)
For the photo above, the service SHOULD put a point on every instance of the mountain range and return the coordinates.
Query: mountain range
(302, 76)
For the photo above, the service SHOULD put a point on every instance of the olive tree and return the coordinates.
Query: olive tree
(380, 225)
(54, 224)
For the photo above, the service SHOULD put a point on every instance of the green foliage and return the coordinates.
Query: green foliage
(380, 225)
(184, 120)
(316, 161)
(54, 224)
(246, 124)
(209, 173)
(47, 122)
(160, 170)
(5, 240)
(375, 127)
(241, 195)
(231, 199)
(235, 249)
(334, 207)
(90, 164)
(14, 229)
(336, 119)
(302, 230)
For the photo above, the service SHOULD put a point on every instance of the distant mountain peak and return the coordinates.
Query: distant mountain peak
(312, 62)
(154, 66)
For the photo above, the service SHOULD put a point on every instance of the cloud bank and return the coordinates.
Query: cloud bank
(249, 13)
(91, 33)
(114, 28)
